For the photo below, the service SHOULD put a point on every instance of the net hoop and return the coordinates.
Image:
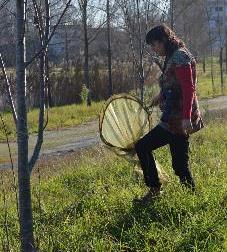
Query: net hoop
(106, 106)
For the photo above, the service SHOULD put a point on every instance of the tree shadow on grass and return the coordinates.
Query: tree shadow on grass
(130, 229)
(139, 215)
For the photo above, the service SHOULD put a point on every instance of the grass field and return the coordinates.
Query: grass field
(83, 202)
(59, 117)
(204, 86)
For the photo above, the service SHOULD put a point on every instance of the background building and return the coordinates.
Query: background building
(217, 15)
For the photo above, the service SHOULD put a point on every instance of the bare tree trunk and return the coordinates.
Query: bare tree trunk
(141, 63)
(212, 69)
(211, 51)
(25, 206)
(109, 53)
(66, 51)
(221, 70)
(47, 82)
(172, 14)
(226, 58)
(204, 64)
(86, 52)
(47, 74)
(220, 33)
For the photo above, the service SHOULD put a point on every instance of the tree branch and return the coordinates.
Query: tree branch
(8, 88)
(4, 4)
(51, 35)
(44, 36)
(97, 32)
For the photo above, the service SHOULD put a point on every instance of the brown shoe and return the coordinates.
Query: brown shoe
(151, 195)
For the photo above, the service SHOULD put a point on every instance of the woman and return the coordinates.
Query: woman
(179, 106)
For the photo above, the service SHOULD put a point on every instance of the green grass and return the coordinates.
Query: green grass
(204, 86)
(86, 203)
(59, 117)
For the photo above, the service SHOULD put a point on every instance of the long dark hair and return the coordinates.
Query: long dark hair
(163, 33)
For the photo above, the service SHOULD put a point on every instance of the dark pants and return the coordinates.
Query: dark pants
(179, 147)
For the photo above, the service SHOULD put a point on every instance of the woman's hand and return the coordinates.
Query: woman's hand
(186, 126)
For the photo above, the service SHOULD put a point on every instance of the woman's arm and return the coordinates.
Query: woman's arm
(185, 78)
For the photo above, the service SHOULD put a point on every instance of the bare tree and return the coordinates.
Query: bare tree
(221, 43)
(211, 48)
(109, 53)
(25, 166)
(138, 14)
(141, 63)
(25, 207)
(172, 11)
(83, 7)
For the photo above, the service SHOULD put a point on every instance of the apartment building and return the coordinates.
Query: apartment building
(217, 14)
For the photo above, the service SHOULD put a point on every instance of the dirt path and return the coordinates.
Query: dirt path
(218, 103)
(60, 142)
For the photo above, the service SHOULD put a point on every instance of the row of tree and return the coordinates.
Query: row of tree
(112, 32)
(120, 22)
